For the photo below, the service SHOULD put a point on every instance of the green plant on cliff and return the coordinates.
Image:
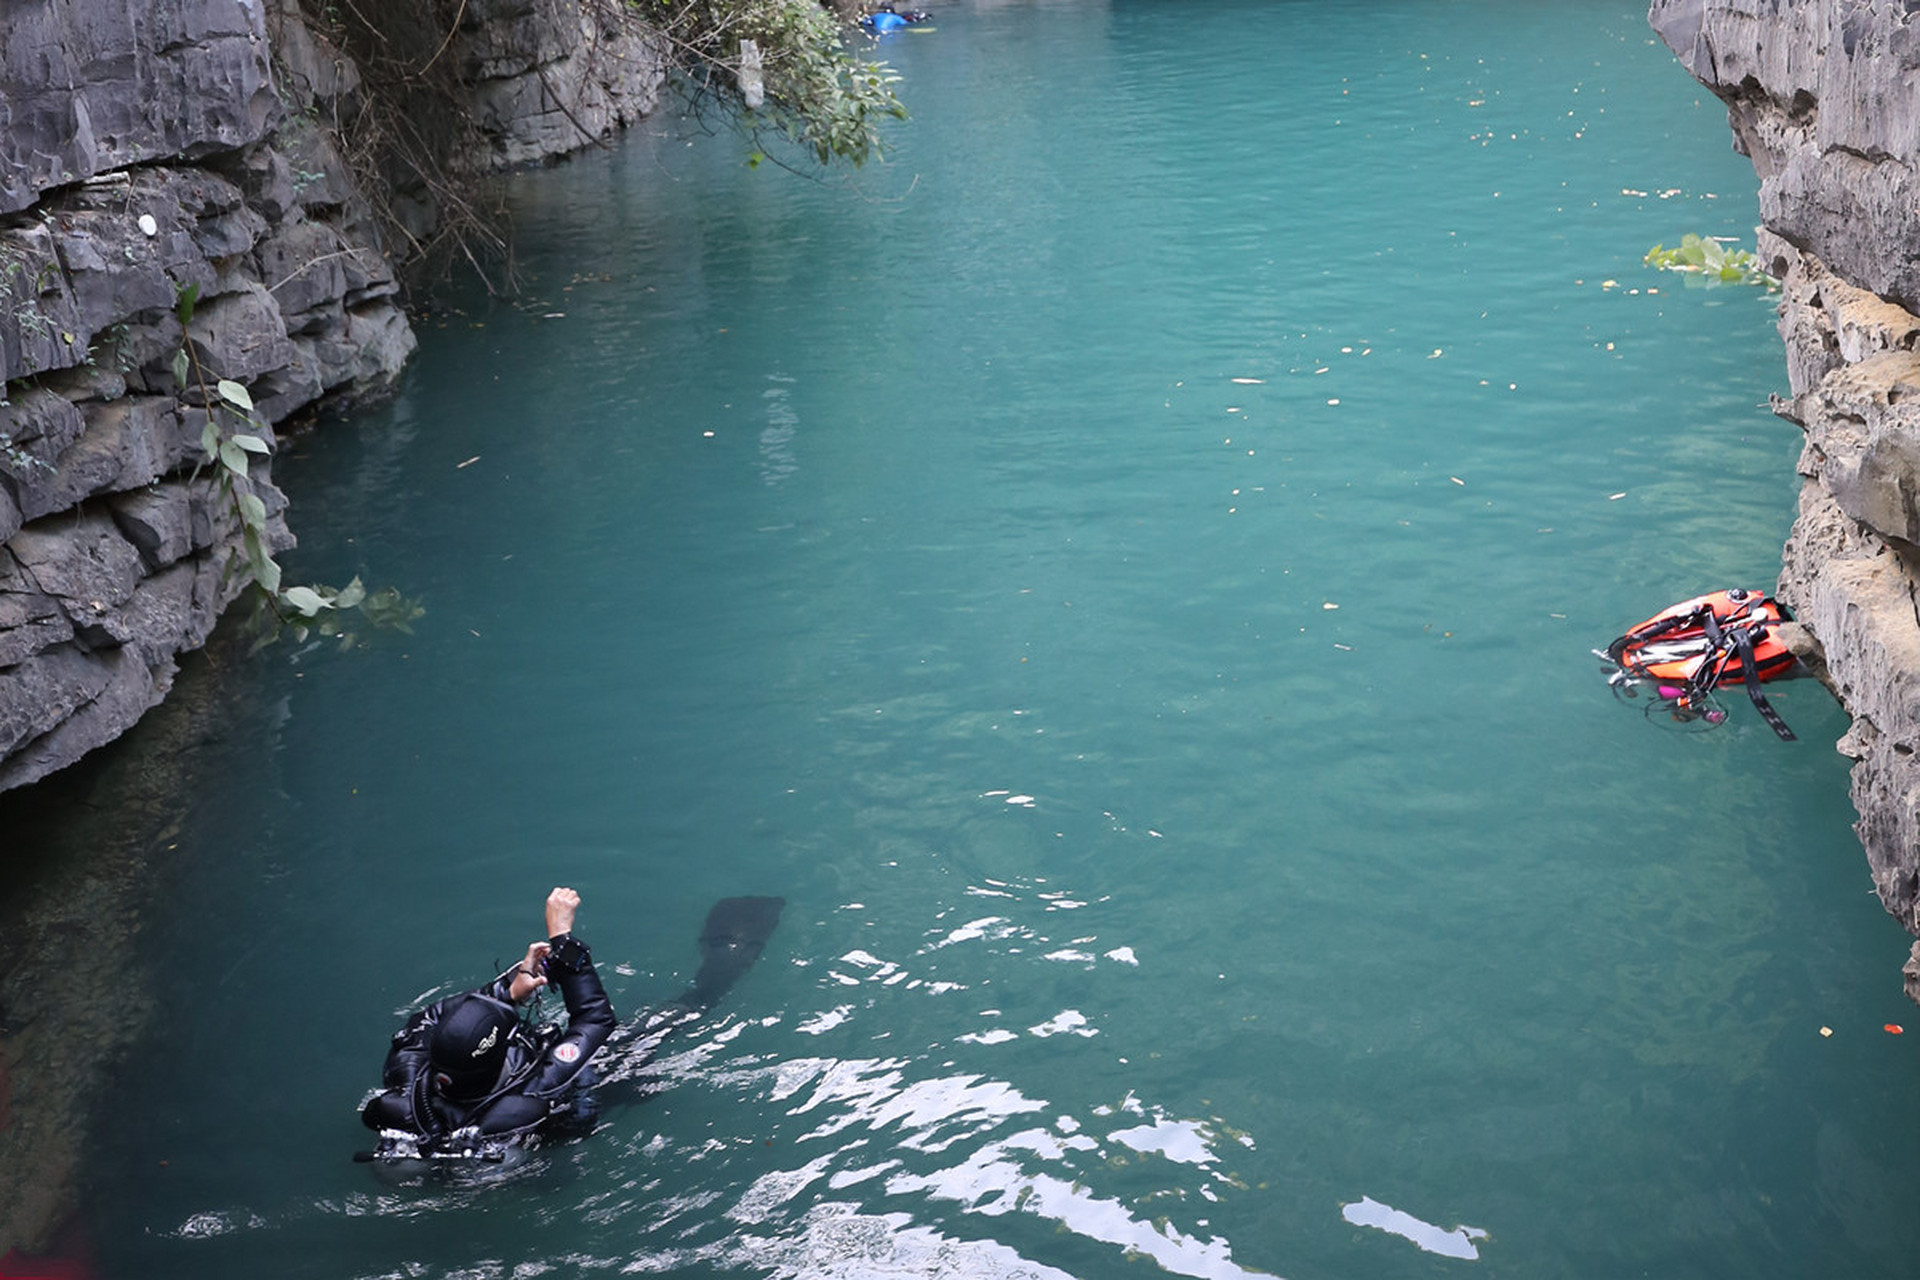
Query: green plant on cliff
(229, 440)
(15, 459)
(230, 450)
(1706, 259)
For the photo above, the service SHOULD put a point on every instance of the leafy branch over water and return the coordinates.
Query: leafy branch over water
(1706, 259)
(329, 613)
(783, 65)
(774, 69)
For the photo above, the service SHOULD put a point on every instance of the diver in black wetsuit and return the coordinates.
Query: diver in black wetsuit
(466, 1077)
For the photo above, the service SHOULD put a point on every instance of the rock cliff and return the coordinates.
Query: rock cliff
(148, 150)
(153, 146)
(545, 77)
(1824, 97)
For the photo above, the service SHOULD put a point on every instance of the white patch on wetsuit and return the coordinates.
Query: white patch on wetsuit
(568, 1052)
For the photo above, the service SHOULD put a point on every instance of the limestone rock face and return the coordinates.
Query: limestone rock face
(92, 88)
(151, 150)
(552, 76)
(1824, 97)
(1820, 95)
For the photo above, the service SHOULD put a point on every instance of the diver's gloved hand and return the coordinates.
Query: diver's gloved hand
(530, 975)
(569, 953)
(561, 904)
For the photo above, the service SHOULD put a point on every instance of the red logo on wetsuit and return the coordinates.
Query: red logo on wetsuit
(568, 1052)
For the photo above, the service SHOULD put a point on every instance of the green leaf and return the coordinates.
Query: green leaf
(210, 440)
(253, 511)
(266, 572)
(184, 302)
(251, 443)
(306, 600)
(350, 595)
(233, 457)
(233, 393)
(257, 554)
(181, 367)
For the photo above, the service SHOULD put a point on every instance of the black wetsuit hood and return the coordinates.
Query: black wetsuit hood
(469, 1045)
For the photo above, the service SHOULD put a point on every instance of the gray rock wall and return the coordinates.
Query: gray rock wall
(152, 145)
(551, 76)
(149, 148)
(95, 88)
(1824, 97)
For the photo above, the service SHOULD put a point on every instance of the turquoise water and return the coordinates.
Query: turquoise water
(1124, 572)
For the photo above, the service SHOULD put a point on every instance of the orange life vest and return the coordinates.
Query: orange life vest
(1687, 649)
(1677, 646)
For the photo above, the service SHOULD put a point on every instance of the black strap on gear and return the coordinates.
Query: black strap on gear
(1713, 663)
(1742, 640)
(1716, 637)
(426, 1120)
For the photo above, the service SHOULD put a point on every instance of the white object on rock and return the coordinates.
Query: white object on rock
(753, 83)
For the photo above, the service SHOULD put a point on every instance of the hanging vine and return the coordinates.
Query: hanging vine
(230, 439)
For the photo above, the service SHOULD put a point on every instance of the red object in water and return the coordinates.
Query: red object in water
(1894, 1028)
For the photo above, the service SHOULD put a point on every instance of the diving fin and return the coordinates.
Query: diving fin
(735, 934)
(733, 937)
